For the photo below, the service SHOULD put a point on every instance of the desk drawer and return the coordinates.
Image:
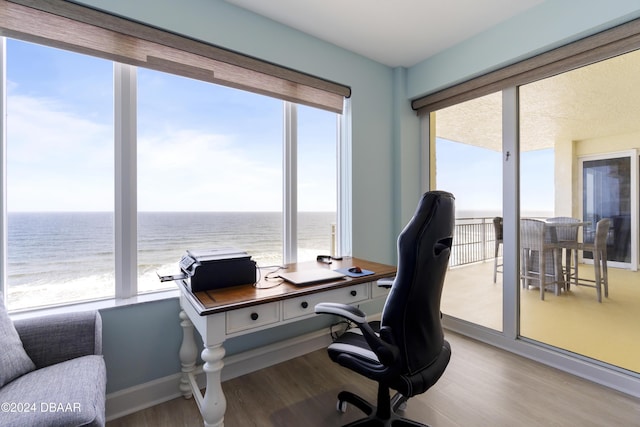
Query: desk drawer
(304, 305)
(378, 291)
(252, 317)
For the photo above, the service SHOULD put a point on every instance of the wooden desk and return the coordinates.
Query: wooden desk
(229, 312)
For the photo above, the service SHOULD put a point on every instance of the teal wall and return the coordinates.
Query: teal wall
(141, 341)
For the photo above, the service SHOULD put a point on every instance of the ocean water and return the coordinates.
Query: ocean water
(68, 256)
(62, 257)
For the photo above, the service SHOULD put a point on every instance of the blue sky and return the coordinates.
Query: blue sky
(474, 175)
(200, 146)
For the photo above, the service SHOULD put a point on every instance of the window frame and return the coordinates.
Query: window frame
(82, 29)
(125, 190)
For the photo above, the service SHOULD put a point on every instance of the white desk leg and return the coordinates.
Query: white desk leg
(214, 403)
(188, 354)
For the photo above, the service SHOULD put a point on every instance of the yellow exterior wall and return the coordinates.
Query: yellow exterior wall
(567, 167)
(608, 144)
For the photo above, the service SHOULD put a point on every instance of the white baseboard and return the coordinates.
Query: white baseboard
(142, 396)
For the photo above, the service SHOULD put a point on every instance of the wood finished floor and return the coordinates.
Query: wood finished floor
(482, 386)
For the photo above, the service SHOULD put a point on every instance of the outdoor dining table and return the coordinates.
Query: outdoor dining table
(558, 231)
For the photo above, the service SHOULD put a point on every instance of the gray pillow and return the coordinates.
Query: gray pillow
(14, 361)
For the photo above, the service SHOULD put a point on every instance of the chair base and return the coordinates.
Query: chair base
(385, 417)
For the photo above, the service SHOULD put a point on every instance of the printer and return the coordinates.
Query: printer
(208, 269)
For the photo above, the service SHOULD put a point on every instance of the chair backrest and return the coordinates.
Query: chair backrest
(602, 230)
(497, 227)
(532, 234)
(412, 309)
(569, 234)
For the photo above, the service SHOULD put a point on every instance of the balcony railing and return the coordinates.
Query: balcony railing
(474, 241)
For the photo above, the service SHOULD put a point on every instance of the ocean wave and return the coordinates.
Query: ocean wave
(65, 257)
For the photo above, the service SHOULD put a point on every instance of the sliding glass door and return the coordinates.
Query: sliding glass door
(579, 162)
(609, 190)
(576, 147)
(468, 163)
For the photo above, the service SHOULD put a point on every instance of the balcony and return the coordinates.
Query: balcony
(573, 321)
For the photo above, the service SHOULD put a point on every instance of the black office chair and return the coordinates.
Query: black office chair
(405, 351)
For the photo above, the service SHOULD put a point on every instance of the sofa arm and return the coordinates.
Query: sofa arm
(56, 338)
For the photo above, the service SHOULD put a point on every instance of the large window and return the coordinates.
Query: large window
(208, 172)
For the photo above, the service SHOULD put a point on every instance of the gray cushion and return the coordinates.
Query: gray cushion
(58, 337)
(14, 361)
(70, 393)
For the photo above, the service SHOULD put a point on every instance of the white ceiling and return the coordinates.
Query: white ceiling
(392, 32)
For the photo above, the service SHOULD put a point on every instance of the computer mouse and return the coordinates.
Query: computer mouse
(355, 269)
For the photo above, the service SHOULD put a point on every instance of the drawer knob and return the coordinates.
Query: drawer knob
(304, 304)
(354, 293)
(254, 316)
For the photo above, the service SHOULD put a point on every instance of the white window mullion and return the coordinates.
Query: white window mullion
(344, 225)
(511, 211)
(290, 179)
(426, 145)
(3, 171)
(126, 215)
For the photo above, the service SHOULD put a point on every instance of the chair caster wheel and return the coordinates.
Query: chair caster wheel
(341, 406)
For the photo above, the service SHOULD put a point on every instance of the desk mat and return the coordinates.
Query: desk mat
(346, 272)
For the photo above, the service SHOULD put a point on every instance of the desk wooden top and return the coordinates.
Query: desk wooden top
(231, 298)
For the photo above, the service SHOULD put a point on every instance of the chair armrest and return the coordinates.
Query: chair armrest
(382, 345)
(56, 338)
(343, 310)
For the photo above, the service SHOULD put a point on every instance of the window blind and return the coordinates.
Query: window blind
(604, 45)
(70, 26)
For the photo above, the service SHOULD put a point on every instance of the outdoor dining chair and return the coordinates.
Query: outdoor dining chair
(599, 250)
(568, 240)
(540, 263)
